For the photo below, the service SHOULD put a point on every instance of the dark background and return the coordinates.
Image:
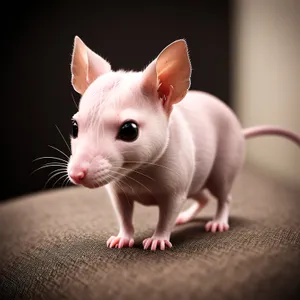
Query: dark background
(37, 41)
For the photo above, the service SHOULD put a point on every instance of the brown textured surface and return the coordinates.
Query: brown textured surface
(53, 247)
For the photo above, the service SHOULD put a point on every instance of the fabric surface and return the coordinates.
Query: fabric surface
(53, 246)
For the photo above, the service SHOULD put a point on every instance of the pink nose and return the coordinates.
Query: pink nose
(78, 176)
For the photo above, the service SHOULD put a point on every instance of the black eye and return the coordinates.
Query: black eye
(128, 132)
(74, 129)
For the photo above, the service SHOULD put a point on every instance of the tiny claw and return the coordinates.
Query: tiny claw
(168, 243)
(115, 242)
(162, 245)
(215, 226)
(154, 243)
(147, 243)
(119, 242)
(131, 243)
(221, 227)
(109, 240)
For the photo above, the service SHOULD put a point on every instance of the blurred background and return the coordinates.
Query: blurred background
(266, 81)
(244, 52)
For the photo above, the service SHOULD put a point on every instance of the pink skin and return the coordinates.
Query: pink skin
(188, 142)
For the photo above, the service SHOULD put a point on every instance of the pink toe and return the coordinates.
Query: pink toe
(169, 244)
(147, 243)
(115, 242)
(221, 227)
(109, 241)
(121, 243)
(162, 245)
(214, 227)
(154, 245)
(131, 243)
(208, 226)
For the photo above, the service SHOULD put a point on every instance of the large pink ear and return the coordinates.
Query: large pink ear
(86, 66)
(170, 73)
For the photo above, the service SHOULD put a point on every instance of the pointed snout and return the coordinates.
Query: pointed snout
(78, 175)
(88, 170)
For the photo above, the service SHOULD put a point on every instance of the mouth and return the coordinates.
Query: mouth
(97, 176)
(92, 184)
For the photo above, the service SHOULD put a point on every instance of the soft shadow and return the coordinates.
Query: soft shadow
(195, 229)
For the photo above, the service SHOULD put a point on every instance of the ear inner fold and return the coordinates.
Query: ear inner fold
(173, 68)
(86, 66)
(79, 66)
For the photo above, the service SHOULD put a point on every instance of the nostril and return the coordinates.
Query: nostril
(78, 176)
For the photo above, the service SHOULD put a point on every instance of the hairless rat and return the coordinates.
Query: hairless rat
(147, 137)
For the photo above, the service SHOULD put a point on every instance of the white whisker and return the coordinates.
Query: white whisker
(58, 169)
(54, 175)
(65, 182)
(61, 177)
(63, 153)
(49, 165)
(152, 164)
(119, 186)
(127, 176)
(143, 163)
(74, 100)
(51, 157)
(63, 138)
(133, 171)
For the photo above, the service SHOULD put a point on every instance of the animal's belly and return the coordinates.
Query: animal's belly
(142, 193)
(201, 175)
(145, 200)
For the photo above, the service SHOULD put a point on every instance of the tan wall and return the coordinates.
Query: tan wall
(266, 81)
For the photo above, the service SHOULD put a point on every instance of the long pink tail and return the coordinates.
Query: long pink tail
(271, 130)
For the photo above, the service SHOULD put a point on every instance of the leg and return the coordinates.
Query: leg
(220, 221)
(229, 160)
(193, 210)
(168, 211)
(124, 211)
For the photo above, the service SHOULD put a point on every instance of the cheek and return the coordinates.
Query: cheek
(114, 155)
(73, 146)
(73, 152)
(154, 142)
(78, 144)
(145, 148)
(129, 151)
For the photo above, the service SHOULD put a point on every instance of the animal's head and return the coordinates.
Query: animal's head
(123, 117)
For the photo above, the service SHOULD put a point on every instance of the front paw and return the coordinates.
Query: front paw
(154, 242)
(120, 242)
(216, 225)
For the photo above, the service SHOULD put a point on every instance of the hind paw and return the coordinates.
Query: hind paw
(189, 214)
(183, 218)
